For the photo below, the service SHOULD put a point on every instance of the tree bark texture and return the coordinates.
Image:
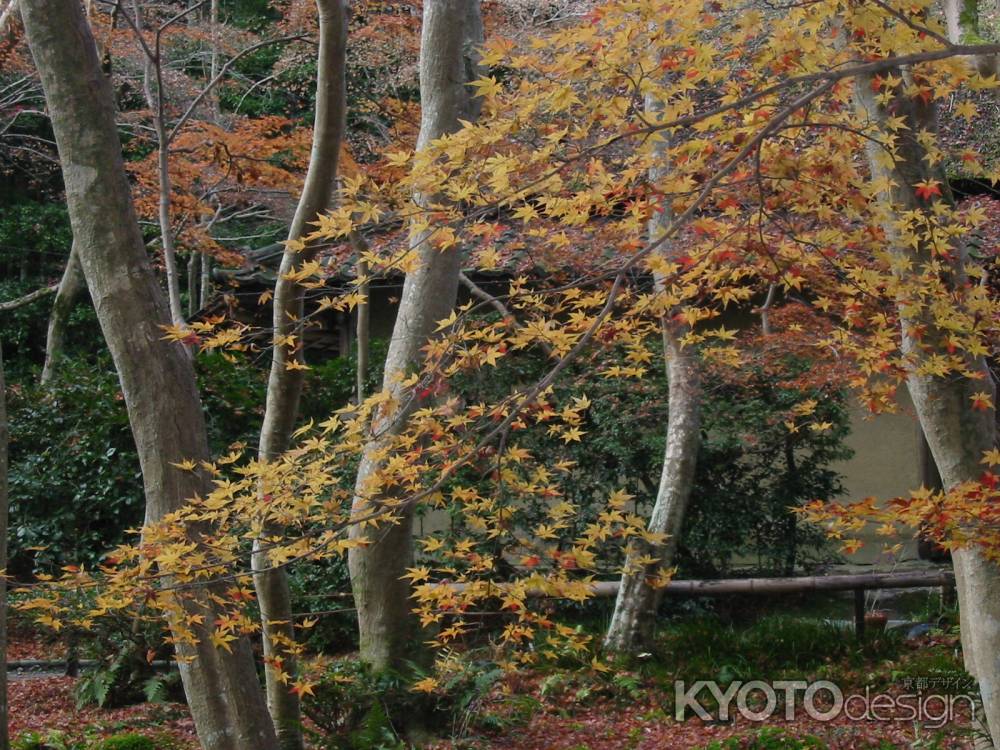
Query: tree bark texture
(284, 388)
(957, 433)
(362, 331)
(634, 617)
(157, 377)
(450, 36)
(70, 286)
(152, 85)
(962, 22)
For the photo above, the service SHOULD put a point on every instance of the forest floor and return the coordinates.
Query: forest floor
(41, 704)
(544, 710)
(567, 705)
(45, 704)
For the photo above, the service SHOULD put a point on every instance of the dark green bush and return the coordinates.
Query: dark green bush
(75, 484)
(323, 589)
(707, 648)
(53, 739)
(35, 239)
(126, 742)
(249, 14)
(769, 738)
(124, 647)
(751, 468)
(232, 394)
(356, 709)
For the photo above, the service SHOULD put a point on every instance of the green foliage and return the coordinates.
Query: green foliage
(585, 686)
(331, 383)
(124, 648)
(774, 646)
(75, 480)
(232, 394)
(249, 14)
(322, 588)
(163, 687)
(95, 687)
(357, 709)
(75, 484)
(126, 742)
(751, 468)
(769, 738)
(941, 667)
(53, 739)
(35, 239)
(319, 587)
(291, 93)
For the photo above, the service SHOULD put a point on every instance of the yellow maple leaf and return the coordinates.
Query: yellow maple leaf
(426, 685)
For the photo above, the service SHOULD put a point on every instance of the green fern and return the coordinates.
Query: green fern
(155, 689)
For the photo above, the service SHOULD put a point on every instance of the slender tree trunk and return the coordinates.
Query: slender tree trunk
(634, 618)
(70, 286)
(957, 433)
(284, 387)
(193, 276)
(4, 507)
(152, 86)
(205, 283)
(213, 68)
(962, 21)
(163, 214)
(450, 35)
(6, 14)
(632, 623)
(363, 330)
(205, 287)
(157, 377)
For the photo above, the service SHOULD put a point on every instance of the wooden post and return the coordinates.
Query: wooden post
(859, 613)
(948, 596)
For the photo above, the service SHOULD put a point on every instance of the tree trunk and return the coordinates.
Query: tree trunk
(163, 214)
(152, 78)
(962, 21)
(205, 287)
(4, 507)
(362, 331)
(193, 276)
(957, 433)
(451, 31)
(632, 623)
(284, 386)
(70, 285)
(6, 14)
(157, 377)
(213, 71)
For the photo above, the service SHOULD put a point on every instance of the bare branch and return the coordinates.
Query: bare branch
(27, 299)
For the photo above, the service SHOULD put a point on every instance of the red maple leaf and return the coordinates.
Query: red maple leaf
(927, 190)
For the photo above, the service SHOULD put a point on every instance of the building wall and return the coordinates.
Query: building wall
(885, 465)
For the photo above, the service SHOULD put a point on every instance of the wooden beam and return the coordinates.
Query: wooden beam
(765, 586)
(909, 580)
